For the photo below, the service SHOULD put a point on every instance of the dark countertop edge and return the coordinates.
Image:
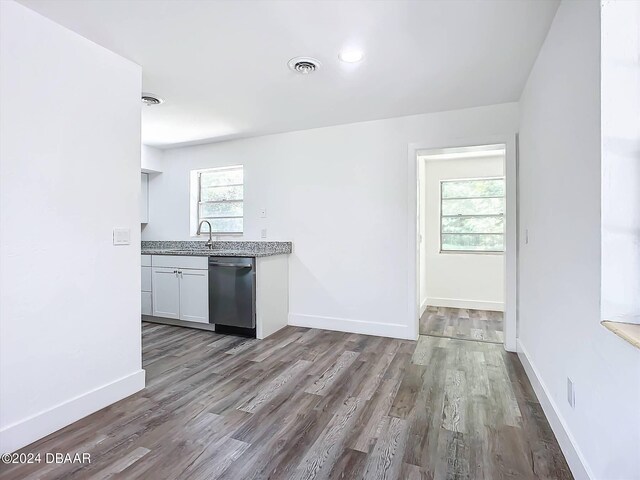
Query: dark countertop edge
(218, 253)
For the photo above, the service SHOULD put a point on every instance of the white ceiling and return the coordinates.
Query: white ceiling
(222, 65)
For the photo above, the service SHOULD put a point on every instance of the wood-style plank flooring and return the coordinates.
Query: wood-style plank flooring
(311, 404)
(462, 323)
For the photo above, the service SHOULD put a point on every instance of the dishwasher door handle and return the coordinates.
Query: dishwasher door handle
(235, 265)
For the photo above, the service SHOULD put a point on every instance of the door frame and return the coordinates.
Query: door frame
(509, 140)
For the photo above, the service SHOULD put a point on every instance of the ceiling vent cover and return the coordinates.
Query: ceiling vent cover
(304, 65)
(151, 99)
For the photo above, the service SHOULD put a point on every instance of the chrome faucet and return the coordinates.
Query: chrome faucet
(209, 243)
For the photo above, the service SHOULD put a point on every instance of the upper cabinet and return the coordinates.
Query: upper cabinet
(144, 198)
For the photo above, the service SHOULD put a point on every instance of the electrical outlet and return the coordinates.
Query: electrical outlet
(571, 393)
(263, 233)
(263, 213)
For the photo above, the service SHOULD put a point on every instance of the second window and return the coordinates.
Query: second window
(472, 215)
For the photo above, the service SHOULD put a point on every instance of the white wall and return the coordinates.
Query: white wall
(559, 311)
(69, 173)
(151, 159)
(621, 161)
(341, 195)
(457, 280)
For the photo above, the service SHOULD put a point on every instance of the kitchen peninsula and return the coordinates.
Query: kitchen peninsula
(236, 287)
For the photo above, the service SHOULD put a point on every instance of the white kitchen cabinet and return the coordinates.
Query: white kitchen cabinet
(146, 307)
(166, 292)
(180, 293)
(272, 294)
(181, 261)
(146, 279)
(145, 299)
(194, 296)
(144, 198)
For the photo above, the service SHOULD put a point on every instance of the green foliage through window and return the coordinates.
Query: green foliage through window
(220, 198)
(472, 215)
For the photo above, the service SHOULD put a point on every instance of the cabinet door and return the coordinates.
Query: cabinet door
(194, 295)
(166, 292)
(144, 198)
(146, 279)
(146, 304)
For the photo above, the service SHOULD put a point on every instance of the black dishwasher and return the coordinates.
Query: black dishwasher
(232, 294)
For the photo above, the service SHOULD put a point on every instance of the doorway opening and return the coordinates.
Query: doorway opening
(465, 253)
(462, 225)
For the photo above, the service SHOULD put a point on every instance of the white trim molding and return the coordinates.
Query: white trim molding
(349, 325)
(577, 463)
(423, 306)
(463, 303)
(24, 432)
(511, 235)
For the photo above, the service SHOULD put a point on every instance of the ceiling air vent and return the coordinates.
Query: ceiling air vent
(304, 65)
(151, 99)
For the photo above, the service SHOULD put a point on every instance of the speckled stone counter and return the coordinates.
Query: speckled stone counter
(220, 249)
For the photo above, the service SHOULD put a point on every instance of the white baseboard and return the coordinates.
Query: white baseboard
(423, 307)
(461, 303)
(24, 432)
(572, 453)
(393, 330)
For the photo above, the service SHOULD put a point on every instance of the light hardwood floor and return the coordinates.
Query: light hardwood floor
(462, 323)
(307, 404)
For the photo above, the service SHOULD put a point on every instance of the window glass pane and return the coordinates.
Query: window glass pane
(224, 225)
(473, 242)
(472, 224)
(221, 193)
(221, 177)
(473, 188)
(221, 197)
(473, 206)
(232, 209)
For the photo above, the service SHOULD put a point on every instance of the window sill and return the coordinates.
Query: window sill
(629, 332)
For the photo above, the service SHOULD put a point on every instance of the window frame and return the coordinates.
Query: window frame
(200, 202)
(499, 215)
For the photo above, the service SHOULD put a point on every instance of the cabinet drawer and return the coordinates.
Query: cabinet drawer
(145, 260)
(180, 261)
(146, 279)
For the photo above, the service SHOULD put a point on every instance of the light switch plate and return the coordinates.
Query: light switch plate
(263, 233)
(121, 236)
(571, 393)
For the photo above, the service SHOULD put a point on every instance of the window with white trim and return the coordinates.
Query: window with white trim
(220, 196)
(472, 215)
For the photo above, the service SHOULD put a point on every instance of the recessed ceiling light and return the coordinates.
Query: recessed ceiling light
(351, 56)
(151, 99)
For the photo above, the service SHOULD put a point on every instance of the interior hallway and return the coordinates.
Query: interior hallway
(310, 403)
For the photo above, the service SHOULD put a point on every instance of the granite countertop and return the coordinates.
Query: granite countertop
(220, 249)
